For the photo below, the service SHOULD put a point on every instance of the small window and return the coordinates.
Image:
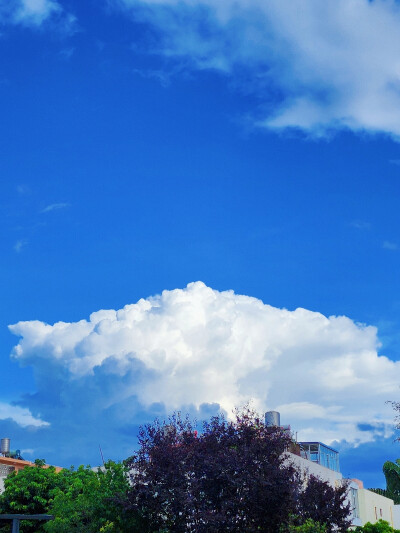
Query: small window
(376, 514)
(380, 512)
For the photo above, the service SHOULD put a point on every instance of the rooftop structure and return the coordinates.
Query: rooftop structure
(321, 454)
(11, 461)
(9, 464)
(313, 451)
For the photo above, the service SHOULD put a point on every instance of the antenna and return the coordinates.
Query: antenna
(101, 453)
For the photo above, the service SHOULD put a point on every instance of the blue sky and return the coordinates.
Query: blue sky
(146, 145)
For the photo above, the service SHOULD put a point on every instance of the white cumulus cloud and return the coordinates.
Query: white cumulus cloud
(198, 346)
(318, 65)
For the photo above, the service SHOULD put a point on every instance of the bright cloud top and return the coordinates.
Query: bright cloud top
(319, 65)
(196, 346)
(22, 416)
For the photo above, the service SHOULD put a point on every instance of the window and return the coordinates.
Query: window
(5, 470)
(354, 503)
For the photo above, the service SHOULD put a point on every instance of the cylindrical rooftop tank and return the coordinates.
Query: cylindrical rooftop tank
(272, 418)
(5, 446)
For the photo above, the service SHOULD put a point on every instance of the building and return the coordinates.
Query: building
(12, 461)
(322, 461)
(374, 507)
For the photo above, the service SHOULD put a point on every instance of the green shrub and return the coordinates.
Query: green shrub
(379, 527)
(309, 526)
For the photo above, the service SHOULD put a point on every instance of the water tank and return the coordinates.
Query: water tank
(5, 446)
(272, 418)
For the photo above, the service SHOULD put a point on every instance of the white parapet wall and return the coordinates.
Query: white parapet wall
(308, 467)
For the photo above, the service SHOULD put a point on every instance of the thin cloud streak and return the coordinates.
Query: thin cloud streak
(55, 207)
(361, 224)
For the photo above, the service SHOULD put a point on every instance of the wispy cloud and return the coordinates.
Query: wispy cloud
(19, 245)
(55, 207)
(360, 224)
(23, 189)
(333, 68)
(388, 245)
(163, 76)
(28, 451)
(67, 53)
(35, 13)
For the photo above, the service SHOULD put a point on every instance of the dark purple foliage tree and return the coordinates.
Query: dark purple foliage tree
(233, 477)
(325, 504)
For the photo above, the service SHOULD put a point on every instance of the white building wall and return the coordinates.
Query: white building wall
(374, 507)
(396, 516)
(4, 471)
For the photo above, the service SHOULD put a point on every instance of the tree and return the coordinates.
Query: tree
(90, 502)
(29, 492)
(390, 469)
(379, 527)
(233, 477)
(325, 504)
(82, 501)
(392, 476)
(309, 526)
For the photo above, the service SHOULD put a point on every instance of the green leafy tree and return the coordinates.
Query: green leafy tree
(82, 500)
(390, 469)
(29, 492)
(392, 475)
(309, 526)
(379, 527)
(91, 502)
